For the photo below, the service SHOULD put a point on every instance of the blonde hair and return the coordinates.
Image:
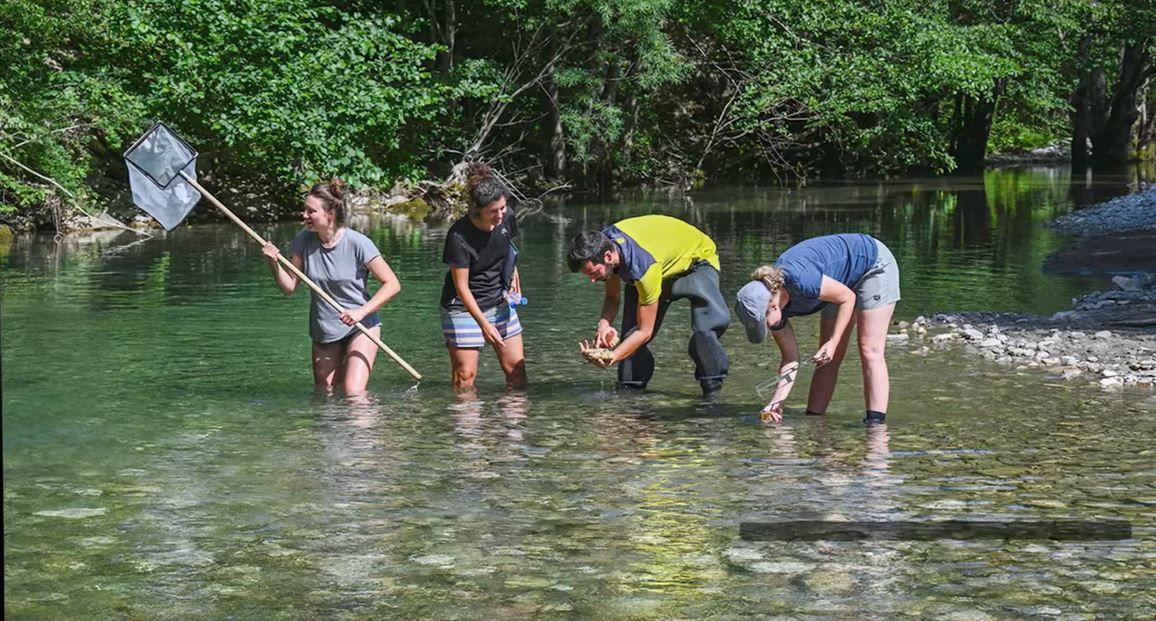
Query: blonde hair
(770, 276)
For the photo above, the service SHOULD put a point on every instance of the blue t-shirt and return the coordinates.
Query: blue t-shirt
(845, 257)
(341, 272)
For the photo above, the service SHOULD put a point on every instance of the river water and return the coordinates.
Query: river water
(165, 456)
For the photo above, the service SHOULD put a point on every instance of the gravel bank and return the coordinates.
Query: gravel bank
(1108, 338)
(1132, 212)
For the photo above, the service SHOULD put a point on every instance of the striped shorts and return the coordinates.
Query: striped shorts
(461, 331)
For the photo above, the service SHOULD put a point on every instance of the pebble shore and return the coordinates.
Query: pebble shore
(1108, 338)
(1132, 212)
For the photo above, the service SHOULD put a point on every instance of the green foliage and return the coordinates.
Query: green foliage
(62, 100)
(284, 92)
(295, 88)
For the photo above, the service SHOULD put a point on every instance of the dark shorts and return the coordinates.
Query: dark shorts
(371, 320)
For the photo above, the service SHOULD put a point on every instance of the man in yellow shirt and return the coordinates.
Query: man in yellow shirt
(660, 259)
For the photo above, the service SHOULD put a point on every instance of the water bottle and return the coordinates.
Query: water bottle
(516, 299)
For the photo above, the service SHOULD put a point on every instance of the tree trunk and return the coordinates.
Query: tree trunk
(445, 28)
(1111, 138)
(1081, 121)
(556, 156)
(972, 129)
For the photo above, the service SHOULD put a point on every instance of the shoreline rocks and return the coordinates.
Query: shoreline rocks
(1108, 358)
(1108, 338)
(1131, 212)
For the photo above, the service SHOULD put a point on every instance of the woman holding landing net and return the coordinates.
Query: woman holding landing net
(851, 278)
(476, 307)
(339, 260)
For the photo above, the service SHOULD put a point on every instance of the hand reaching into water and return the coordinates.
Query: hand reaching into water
(773, 413)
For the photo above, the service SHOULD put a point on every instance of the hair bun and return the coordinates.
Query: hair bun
(477, 172)
(338, 188)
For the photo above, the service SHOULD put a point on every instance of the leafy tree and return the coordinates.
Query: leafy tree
(64, 107)
(295, 89)
(1116, 57)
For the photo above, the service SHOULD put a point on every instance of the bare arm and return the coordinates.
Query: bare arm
(789, 363)
(647, 316)
(389, 288)
(286, 280)
(605, 332)
(835, 292)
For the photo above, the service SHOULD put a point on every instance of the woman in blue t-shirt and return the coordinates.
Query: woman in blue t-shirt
(849, 278)
(339, 260)
(481, 281)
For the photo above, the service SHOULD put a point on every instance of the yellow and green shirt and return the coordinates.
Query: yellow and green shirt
(655, 248)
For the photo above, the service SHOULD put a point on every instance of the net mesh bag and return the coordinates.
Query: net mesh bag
(155, 164)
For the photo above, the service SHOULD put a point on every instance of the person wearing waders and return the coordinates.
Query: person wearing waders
(851, 279)
(659, 259)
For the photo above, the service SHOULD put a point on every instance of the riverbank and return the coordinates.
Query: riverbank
(1108, 337)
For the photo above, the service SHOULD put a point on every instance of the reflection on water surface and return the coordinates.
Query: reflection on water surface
(164, 456)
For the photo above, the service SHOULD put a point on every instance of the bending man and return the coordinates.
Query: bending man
(660, 259)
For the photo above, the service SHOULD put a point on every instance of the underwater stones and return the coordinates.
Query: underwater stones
(742, 555)
(1102, 334)
(1046, 503)
(444, 561)
(823, 581)
(529, 582)
(780, 567)
(964, 615)
(73, 514)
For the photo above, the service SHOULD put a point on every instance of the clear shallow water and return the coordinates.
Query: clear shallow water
(165, 457)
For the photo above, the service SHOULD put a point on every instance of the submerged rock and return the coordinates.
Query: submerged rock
(73, 514)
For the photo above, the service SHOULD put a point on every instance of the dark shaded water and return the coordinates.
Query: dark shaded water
(164, 456)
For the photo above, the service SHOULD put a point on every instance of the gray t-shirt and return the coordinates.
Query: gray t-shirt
(339, 271)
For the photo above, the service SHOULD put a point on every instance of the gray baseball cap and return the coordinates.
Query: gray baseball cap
(751, 306)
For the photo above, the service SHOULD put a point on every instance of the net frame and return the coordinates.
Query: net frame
(162, 172)
(135, 146)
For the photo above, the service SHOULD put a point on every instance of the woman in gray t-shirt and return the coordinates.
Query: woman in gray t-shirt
(339, 260)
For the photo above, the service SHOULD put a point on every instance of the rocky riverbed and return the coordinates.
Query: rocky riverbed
(1107, 338)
